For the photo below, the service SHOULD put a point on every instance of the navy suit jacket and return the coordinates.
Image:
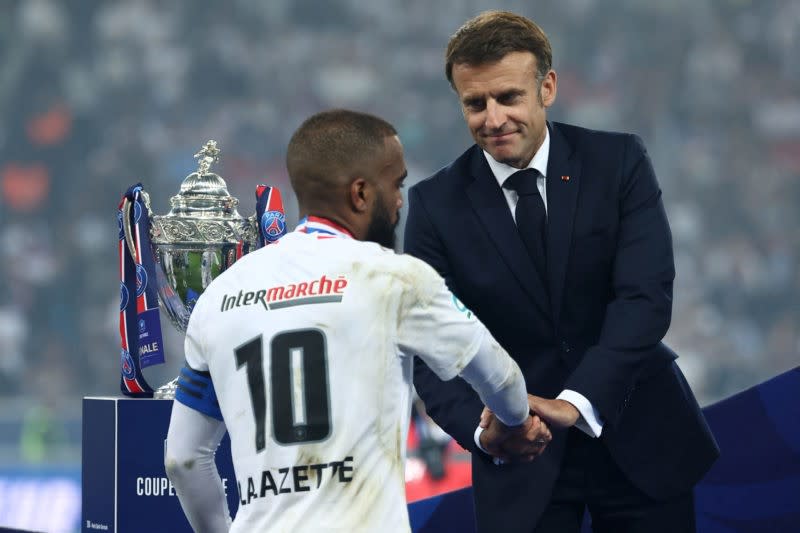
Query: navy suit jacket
(595, 325)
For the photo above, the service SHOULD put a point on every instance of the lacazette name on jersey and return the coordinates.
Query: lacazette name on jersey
(322, 290)
(298, 478)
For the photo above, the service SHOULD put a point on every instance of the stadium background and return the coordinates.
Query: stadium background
(97, 95)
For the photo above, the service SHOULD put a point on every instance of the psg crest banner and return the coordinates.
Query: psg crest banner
(269, 215)
(139, 321)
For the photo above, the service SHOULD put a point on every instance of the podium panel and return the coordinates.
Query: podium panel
(125, 487)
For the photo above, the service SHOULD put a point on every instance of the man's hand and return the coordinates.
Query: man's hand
(557, 413)
(523, 443)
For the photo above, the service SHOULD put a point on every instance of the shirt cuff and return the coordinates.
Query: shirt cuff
(477, 437)
(589, 422)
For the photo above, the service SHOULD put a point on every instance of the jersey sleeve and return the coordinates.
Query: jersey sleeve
(435, 325)
(196, 390)
(195, 387)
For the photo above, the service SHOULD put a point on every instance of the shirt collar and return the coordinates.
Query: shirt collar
(312, 224)
(502, 171)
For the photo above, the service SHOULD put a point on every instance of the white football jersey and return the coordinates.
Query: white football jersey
(309, 345)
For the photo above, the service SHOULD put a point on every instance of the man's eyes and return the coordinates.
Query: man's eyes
(503, 99)
(506, 99)
(475, 105)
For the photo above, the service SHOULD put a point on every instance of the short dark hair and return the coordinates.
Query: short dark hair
(492, 35)
(330, 146)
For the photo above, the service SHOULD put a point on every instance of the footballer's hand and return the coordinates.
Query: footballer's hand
(521, 443)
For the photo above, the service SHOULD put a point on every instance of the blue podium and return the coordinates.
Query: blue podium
(125, 488)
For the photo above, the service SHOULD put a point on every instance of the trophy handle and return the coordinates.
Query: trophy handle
(127, 205)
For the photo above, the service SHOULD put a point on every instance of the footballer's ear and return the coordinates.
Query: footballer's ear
(359, 195)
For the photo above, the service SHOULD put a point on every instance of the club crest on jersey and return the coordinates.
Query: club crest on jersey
(273, 225)
(461, 307)
(142, 325)
(123, 296)
(128, 370)
(141, 280)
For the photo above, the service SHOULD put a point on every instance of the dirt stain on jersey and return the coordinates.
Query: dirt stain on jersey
(306, 457)
(365, 493)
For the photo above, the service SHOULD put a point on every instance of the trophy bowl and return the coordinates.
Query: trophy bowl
(201, 236)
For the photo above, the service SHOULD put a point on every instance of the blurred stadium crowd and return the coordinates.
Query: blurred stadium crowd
(97, 95)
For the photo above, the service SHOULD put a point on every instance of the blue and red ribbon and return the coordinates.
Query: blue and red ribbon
(141, 343)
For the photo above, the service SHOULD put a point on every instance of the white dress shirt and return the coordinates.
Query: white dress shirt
(589, 421)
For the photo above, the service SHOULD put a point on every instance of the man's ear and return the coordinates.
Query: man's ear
(548, 89)
(359, 195)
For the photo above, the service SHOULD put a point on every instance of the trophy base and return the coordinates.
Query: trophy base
(166, 391)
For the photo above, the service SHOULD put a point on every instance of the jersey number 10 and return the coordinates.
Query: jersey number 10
(299, 385)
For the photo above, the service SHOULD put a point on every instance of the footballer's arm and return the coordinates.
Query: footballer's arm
(189, 461)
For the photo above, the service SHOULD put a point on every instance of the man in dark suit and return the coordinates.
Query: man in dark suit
(557, 238)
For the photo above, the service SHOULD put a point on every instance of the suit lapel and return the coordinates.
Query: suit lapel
(563, 180)
(490, 205)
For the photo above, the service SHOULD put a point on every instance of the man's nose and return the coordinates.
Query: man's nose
(495, 116)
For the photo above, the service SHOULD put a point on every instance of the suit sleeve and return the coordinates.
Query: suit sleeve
(638, 316)
(453, 404)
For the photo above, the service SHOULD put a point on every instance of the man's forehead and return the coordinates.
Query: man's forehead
(392, 155)
(493, 88)
(517, 59)
(499, 76)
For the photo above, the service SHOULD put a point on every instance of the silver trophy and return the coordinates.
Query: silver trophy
(201, 236)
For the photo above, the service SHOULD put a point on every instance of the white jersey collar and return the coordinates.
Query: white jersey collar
(313, 224)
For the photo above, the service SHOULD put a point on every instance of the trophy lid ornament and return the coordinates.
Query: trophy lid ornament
(204, 194)
(207, 156)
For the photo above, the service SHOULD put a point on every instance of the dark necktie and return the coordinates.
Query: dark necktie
(531, 216)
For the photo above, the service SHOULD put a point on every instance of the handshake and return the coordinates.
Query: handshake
(526, 442)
